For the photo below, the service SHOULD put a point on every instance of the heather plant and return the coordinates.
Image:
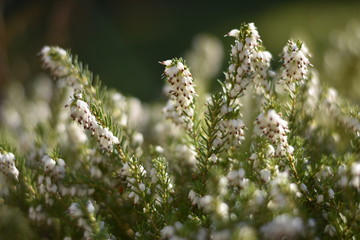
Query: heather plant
(271, 154)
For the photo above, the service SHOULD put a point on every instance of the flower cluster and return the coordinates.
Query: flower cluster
(77, 190)
(355, 171)
(331, 105)
(60, 63)
(210, 204)
(37, 215)
(162, 181)
(54, 170)
(283, 226)
(7, 165)
(83, 217)
(246, 59)
(275, 128)
(295, 61)
(261, 66)
(81, 113)
(232, 132)
(237, 178)
(181, 92)
(312, 94)
(135, 174)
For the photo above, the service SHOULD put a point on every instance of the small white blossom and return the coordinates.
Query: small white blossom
(186, 153)
(142, 187)
(193, 197)
(167, 232)
(75, 211)
(275, 128)
(233, 33)
(7, 165)
(231, 133)
(221, 235)
(206, 202)
(90, 207)
(303, 187)
(331, 106)
(222, 185)
(283, 226)
(60, 63)
(213, 158)
(312, 94)
(37, 214)
(81, 113)
(295, 61)
(247, 62)
(181, 92)
(320, 198)
(222, 209)
(159, 149)
(265, 175)
(331, 193)
(330, 230)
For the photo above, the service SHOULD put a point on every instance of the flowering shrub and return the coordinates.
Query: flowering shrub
(272, 155)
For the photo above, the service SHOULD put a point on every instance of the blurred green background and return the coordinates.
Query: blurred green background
(122, 41)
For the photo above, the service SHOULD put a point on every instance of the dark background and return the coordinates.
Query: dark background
(122, 41)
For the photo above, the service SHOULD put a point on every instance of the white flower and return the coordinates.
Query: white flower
(261, 66)
(221, 235)
(222, 185)
(49, 164)
(222, 209)
(142, 187)
(186, 153)
(245, 59)
(206, 202)
(331, 193)
(36, 214)
(81, 113)
(355, 168)
(159, 149)
(283, 227)
(330, 230)
(312, 94)
(7, 165)
(90, 207)
(75, 133)
(259, 197)
(275, 128)
(295, 61)
(303, 187)
(213, 158)
(233, 33)
(61, 66)
(167, 231)
(232, 132)
(181, 92)
(320, 198)
(138, 138)
(75, 211)
(193, 197)
(265, 175)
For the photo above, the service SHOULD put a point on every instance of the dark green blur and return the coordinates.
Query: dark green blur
(122, 41)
